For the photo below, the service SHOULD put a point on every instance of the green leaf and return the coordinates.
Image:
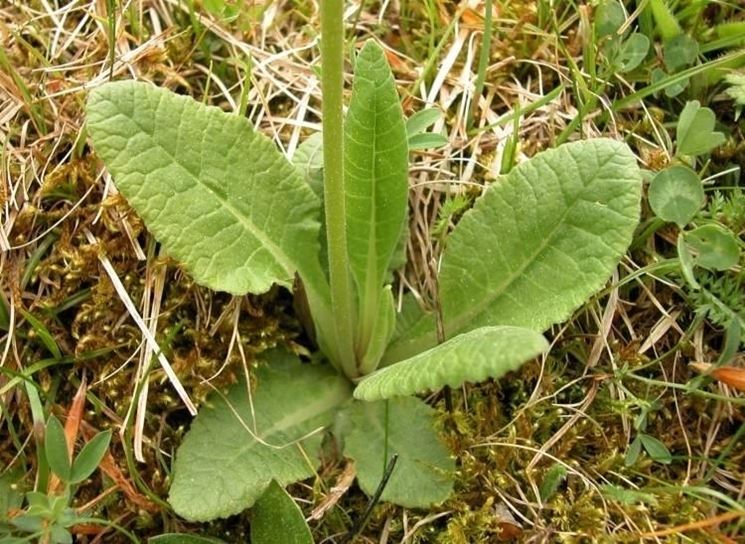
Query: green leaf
(228, 458)
(4, 313)
(714, 247)
(736, 91)
(686, 262)
(176, 538)
(383, 329)
(428, 140)
(695, 131)
(308, 159)
(609, 17)
(627, 496)
(632, 454)
(632, 52)
(376, 174)
(676, 194)
(656, 449)
(11, 496)
(278, 520)
(422, 120)
(488, 352)
(551, 481)
(55, 446)
(423, 475)
(671, 89)
(89, 457)
(218, 195)
(679, 52)
(43, 334)
(667, 24)
(536, 244)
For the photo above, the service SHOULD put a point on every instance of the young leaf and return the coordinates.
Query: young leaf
(686, 262)
(632, 454)
(488, 352)
(695, 131)
(278, 520)
(55, 446)
(736, 91)
(308, 158)
(656, 449)
(43, 334)
(385, 324)
(676, 194)
(376, 173)
(228, 459)
(715, 247)
(89, 457)
(421, 121)
(423, 475)
(551, 481)
(609, 17)
(428, 140)
(536, 244)
(218, 195)
(627, 496)
(632, 52)
(679, 52)
(667, 24)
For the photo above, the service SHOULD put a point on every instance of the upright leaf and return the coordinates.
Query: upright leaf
(90, 457)
(536, 244)
(218, 195)
(372, 433)
(55, 446)
(278, 520)
(228, 458)
(375, 169)
(488, 352)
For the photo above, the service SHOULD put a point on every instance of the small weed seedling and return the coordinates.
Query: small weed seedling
(48, 517)
(224, 201)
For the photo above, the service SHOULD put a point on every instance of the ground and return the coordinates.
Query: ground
(547, 454)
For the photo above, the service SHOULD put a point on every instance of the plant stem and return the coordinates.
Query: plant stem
(332, 87)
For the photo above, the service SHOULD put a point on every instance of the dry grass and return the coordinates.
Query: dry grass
(89, 295)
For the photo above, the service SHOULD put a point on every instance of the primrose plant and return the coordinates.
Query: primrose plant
(240, 217)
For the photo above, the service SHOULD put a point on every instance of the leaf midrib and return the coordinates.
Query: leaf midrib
(253, 229)
(455, 325)
(336, 395)
(479, 308)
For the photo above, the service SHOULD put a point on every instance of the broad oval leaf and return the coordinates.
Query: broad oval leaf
(376, 172)
(715, 248)
(218, 195)
(536, 244)
(424, 472)
(228, 458)
(488, 352)
(676, 194)
(278, 520)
